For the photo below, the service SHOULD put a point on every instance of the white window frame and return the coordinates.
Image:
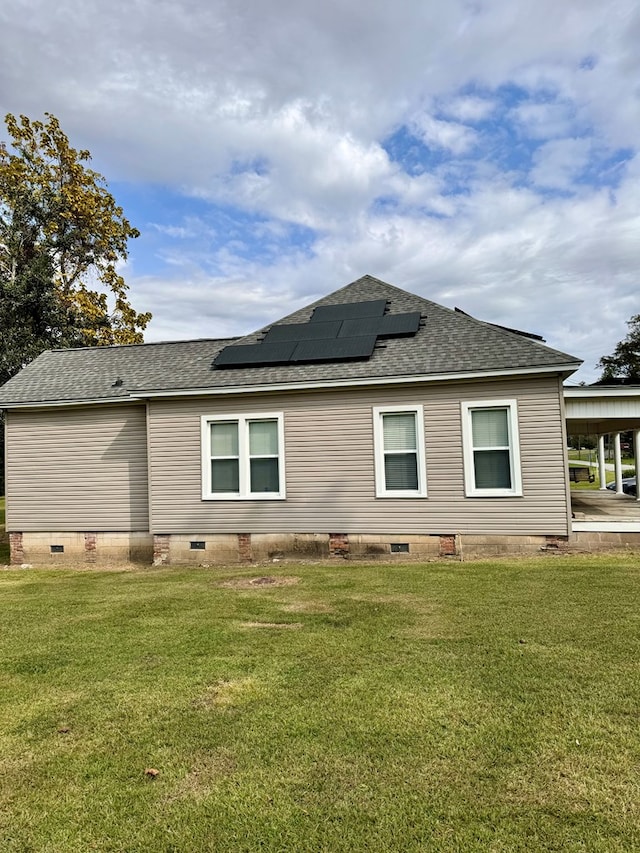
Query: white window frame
(244, 458)
(378, 440)
(471, 490)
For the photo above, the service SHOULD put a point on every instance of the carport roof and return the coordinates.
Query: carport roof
(601, 409)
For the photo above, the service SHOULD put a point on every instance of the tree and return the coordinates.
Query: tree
(62, 236)
(624, 365)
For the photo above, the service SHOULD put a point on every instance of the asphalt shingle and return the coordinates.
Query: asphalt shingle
(448, 342)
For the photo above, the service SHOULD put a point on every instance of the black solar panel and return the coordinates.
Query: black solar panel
(334, 333)
(341, 349)
(349, 311)
(390, 325)
(358, 328)
(395, 325)
(302, 331)
(251, 354)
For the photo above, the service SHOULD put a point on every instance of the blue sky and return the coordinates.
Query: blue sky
(483, 154)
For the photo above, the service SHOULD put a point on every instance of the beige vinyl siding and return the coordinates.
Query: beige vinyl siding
(330, 479)
(82, 468)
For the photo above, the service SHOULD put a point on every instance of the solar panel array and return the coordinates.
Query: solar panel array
(334, 333)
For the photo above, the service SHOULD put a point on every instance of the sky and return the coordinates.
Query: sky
(481, 153)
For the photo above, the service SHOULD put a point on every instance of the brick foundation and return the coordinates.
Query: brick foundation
(245, 552)
(111, 549)
(161, 549)
(556, 543)
(339, 545)
(448, 545)
(16, 548)
(90, 547)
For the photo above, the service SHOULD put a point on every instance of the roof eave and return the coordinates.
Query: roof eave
(562, 370)
(139, 395)
(98, 401)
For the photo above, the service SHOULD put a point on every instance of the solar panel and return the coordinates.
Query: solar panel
(390, 325)
(341, 349)
(246, 355)
(334, 333)
(349, 311)
(302, 331)
(358, 328)
(395, 325)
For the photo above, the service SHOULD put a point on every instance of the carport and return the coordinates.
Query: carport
(605, 410)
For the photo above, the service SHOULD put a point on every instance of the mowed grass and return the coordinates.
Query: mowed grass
(490, 706)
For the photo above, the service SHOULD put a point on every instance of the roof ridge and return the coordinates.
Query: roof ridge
(447, 344)
(324, 300)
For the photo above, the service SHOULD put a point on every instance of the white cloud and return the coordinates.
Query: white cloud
(453, 136)
(282, 110)
(544, 120)
(559, 162)
(468, 108)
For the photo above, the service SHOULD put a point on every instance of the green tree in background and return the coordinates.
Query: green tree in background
(624, 365)
(62, 236)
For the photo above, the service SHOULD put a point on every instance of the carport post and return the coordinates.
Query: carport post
(618, 462)
(602, 471)
(636, 448)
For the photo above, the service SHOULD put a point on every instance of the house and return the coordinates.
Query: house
(372, 422)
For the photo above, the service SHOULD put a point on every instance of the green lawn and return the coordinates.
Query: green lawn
(489, 706)
(585, 456)
(610, 475)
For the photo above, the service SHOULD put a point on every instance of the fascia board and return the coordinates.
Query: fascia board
(141, 394)
(609, 391)
(354, 383)
(48, 404)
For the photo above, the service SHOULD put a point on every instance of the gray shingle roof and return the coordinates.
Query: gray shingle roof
(449, 342)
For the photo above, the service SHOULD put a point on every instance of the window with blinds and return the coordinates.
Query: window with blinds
(225, 457)
(243, 457)
(491, 449)
(399, 446)
(263, 456)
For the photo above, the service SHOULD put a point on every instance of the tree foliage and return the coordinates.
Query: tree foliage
(62, 237)
(624, 364)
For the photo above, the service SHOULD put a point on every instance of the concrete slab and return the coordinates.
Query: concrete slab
(604, 510)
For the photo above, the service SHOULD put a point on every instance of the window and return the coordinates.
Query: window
(491, 449)
(399, 452)
(243, 457)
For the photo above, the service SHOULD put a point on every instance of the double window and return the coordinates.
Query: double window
(243, 457)
(491, 449)
(399, 452)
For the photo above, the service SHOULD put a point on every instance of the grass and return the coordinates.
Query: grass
(490, 706)
(585, 456)
(575, 457)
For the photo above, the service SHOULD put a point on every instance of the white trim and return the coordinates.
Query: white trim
(605, 526)
(243, 421)
(357, 382)
(378, 440)
(601, 391)
(471, 490)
